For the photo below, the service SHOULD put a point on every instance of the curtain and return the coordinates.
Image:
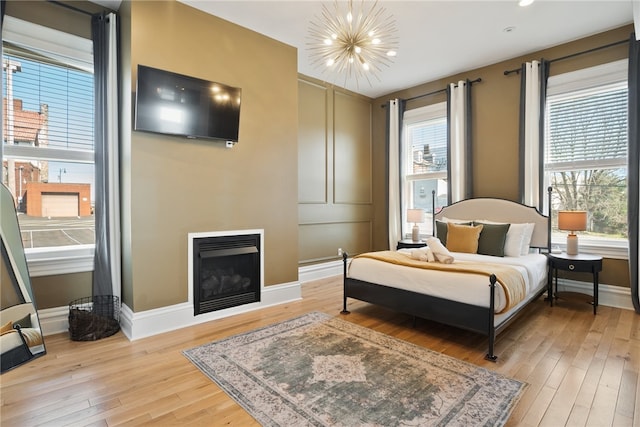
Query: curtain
(530, 152)
(107, 263)
(395, 110)
(3, 8)
(533, 95)
(459, 141)
(634, 167)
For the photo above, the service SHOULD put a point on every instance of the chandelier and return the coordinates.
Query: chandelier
(353, 42)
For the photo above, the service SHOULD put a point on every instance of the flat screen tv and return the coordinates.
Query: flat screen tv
(176, 104)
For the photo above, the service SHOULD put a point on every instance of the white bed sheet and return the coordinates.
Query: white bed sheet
(462, 287)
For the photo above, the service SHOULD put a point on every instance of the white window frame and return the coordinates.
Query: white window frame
(584, 79)
(412, 117)
(76, 51)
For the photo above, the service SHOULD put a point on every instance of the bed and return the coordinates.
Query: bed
(20, 337)
(471, 292)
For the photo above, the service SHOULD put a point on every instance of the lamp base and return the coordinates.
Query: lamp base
(415, 233)
(572, 244)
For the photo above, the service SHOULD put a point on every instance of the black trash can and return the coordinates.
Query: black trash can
(92, 318)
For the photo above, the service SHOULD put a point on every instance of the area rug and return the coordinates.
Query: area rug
(316, 370)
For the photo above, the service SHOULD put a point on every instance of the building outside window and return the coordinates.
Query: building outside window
(424, 167)
(586, 139)
(48, 145)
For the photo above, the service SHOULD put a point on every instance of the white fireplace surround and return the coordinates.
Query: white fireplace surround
(136, 325)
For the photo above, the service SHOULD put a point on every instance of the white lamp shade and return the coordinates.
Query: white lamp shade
(415, 215)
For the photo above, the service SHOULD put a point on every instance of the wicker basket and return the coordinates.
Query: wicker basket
(92, 318)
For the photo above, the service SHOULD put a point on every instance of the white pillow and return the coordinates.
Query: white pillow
(526, 238)
(518, 238)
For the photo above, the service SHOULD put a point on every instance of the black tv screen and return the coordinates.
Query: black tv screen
(176, 104)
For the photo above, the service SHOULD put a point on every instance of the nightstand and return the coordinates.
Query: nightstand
(410, 244)
(575, 263)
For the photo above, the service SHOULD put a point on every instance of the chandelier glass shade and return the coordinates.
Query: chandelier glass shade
(353, 41)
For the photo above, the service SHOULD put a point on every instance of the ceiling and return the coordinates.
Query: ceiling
(436, 38)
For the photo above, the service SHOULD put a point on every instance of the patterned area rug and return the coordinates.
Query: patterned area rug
(316, 370)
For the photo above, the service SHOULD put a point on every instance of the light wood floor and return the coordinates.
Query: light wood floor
(581, 369)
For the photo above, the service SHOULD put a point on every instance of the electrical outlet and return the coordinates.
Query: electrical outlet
(339, 251)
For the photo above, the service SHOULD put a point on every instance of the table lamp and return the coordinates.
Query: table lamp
(572, 221)
(415, 216)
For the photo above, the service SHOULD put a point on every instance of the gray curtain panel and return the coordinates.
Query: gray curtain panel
(544, 78)
(634, 167)
(102, 280)
(521, 130)
(468, 143)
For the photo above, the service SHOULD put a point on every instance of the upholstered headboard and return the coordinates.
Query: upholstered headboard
(501, 210)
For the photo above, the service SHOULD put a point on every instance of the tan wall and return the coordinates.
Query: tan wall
(178, 186)
(334, 172)
(495, 118)
(59, 290)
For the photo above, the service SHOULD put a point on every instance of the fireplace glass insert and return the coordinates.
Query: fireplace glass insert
(226, 272)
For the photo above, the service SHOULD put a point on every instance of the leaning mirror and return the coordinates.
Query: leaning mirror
(20, 335)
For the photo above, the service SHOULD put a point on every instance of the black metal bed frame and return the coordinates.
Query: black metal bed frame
(465, 316)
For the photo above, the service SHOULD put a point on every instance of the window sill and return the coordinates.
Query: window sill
(612, 251)
(54, 261)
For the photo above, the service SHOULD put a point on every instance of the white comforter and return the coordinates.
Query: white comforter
(467, 288)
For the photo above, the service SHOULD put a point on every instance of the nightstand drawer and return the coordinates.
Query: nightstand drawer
(577, 265)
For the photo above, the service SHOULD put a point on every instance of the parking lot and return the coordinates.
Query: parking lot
(42, 232)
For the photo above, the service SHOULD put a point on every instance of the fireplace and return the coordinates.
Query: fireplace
(226, 271)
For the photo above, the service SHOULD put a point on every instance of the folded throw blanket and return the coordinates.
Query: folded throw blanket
(440, 252)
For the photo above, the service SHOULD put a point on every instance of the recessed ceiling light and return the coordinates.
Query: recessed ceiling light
(509, 29)
(524, 3)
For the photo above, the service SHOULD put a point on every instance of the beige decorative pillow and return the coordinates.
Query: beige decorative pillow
(463, 238)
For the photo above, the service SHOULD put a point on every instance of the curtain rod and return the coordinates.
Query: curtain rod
(517, 70)
(478, 80)
(68, 6)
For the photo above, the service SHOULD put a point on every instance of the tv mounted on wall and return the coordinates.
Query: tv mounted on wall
(175, 104)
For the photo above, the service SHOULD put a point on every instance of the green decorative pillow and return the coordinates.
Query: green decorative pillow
(492, 238)
(25, 322)
(463, 238)
(441, 229)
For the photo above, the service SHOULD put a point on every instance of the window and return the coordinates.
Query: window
(48, 144)
(424, 163)
(586, 154)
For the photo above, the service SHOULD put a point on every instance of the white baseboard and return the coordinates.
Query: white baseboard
(610, 296)
(151, 322)
(136, 325)
(320, 271)
(54, 320)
